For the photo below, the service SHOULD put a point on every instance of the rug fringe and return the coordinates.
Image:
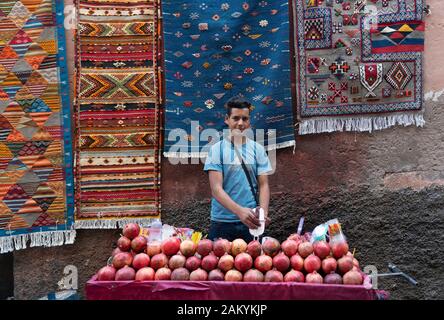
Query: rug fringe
(360, 124)
(112, 223)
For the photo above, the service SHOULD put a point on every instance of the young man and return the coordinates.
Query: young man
(233, 199)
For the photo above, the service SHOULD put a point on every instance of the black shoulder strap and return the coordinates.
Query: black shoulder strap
(247, 173)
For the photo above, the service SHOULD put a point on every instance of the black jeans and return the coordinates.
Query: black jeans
(229, 231)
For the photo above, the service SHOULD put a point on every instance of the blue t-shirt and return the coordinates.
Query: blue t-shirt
(223, 158)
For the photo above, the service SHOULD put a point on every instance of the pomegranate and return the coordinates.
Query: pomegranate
(221, 246)
(290, 247)
(153, 248)
(204, 247)
(188, 248)
(329, 264)
(192, 263)
(305, 249)
(138, 244)
(170, 246)
(122, 259)
(162, 274)
(296, 237)
(345, 264)
(145, 274)
(356, 263)
(238, 246)
(263, 263)
(353, 277)
(297, 262)
(180, 274)
(243, 262)
(125, 274)
(199, 275)
(281, 262)
(274, 276)
(209, 262)
(124, 243)
(131, 230)
(333, 278)
(254, 249)
(253, 275)
(321, 249)
(294, 276)
(158, 261)
(116, 251)
(216, 275)
(140, 261)
(226, 262)
(312, 263)
(233, 275)
(271, 247)
(314, 277)
(107, 273)
(339, 249)
(176, 261)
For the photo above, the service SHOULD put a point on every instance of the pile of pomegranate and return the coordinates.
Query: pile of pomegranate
(294, 260)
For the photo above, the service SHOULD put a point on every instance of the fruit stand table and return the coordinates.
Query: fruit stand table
(222, 290)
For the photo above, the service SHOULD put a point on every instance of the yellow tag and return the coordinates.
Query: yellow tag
(196, 236)
(144, 232)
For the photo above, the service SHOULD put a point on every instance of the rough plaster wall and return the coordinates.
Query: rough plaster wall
(387, 188)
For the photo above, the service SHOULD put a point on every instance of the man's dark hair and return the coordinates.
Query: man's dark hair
(237, 103)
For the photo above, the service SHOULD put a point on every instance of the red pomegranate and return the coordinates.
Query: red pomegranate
(238, 246)
(321, 249)
(116, 251)
(131, 230)
(192, 263)
(243, 262)
(188, 248)
(271, 247)
(170, 246)
(294, 276)
(141, 260)
(199, 275)
(333, 278)
(177, 261)
(254, 249)
(345, 264)
(296, 237)
(226, 263)
(204, 247)
(281, 262)
(253, 275)
(274, 276)
(180, 274)
(289, 247)
(145, 274)
(305, 249)
(138, 244)
(163, 274)
(329, 264)
(339, 249)
(124, 244)
(263, 263)
(125, 274)
(314, 277)
(353, 277)
(107, 273)
(216, 275)
(312, 263)
(297, 262)
(122, 259)
(153, 248)
(209, 262)
(158, 261)
(221, 246)
(233, 275)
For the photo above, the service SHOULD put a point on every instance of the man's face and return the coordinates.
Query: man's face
(239, 120)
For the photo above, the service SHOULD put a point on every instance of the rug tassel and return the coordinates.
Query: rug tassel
(111, 223)
(52, 238)
(11, 243)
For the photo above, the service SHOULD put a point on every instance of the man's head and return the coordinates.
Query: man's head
(238, 114)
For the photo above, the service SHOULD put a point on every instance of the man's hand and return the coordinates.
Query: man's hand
(247, 216)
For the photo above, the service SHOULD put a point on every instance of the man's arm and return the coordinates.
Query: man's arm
(245, 214)
(264, 194)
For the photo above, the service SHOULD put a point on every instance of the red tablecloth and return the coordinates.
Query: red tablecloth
(222, 290)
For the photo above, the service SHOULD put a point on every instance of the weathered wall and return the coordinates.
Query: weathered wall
(387, 188)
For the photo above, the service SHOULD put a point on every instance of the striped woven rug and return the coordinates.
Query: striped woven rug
(117, 108)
